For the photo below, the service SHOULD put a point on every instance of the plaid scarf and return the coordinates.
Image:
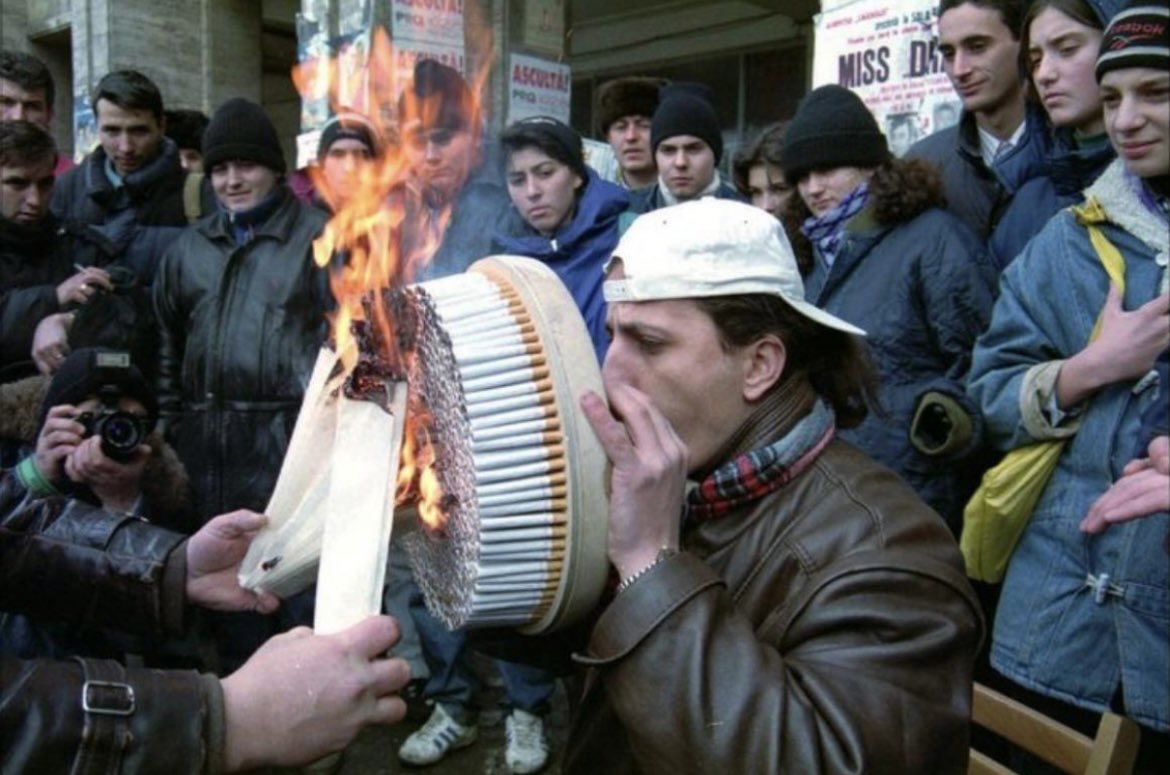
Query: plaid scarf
(825, 232)
(754, 474)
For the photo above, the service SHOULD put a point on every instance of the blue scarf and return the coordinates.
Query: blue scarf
(825, 232)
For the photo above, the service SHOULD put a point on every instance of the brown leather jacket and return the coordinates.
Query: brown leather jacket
(827, 627)
(64, 559)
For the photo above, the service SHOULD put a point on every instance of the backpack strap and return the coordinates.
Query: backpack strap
(1090, 215)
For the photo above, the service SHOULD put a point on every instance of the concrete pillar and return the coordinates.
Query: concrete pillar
(198, 52)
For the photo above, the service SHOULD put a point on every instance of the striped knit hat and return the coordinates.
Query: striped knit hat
(1137, 37)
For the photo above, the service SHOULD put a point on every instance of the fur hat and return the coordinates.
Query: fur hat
(686, 109)
(831, 128)
(1137, 37)
(240, 129)
(439, 98)
(633, 96)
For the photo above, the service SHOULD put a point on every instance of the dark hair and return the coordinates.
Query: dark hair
(23, 142)
(186, 127)
(764, 148)
(836, 364)
(28, 72)
(519, 136)
(1078, 10)
(899, 190)
(129, 90)
(1011, 12)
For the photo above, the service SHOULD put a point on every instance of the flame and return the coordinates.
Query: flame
(363, 243)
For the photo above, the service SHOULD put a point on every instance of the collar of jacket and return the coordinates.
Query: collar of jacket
(28, 240)
(277, 226)
(597, 210)
(138, 185)
(774, 417)
(1027, 160)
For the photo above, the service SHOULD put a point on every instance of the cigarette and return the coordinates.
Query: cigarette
(504, 364)
(533, 483)
(515, 416)
(489, 586)
(507, 391)
(470, 356)
(518, 569)
(493, 460)
(495, 553)
(526, 507)
(497, 432)
(522, 534)
(484, 408)
(521, 496)
(527, 520)
(494, 445)
(520, 471)
(505, 378)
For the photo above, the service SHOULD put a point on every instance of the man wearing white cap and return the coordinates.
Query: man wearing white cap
(798, 609)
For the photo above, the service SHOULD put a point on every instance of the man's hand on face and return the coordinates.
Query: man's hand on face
(648, 480)
(213, 562)
(117, 484)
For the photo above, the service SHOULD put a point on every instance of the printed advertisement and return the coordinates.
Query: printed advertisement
(886, 52)
(430, 21)
(538, 88)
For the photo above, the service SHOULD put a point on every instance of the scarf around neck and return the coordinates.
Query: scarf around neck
(752, 475)
(825, 231)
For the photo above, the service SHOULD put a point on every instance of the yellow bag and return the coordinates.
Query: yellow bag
(995, 517)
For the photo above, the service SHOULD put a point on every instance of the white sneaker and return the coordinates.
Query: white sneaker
(527, 748)
(434, 739)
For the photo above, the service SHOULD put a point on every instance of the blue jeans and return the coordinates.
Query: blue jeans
(454, 684)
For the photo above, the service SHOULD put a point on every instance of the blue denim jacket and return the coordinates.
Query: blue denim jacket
(1080, 615)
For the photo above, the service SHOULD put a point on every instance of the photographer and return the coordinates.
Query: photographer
(95, 442)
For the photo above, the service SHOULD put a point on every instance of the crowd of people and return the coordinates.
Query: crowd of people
(811, 353)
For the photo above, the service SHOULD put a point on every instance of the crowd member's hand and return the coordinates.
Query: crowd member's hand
(303, 696)
(1142, 490)
(648, 479)
(1130, 341)
(117, 484)
(51, 342)
(85, 283)
(59, 436)
(213, 562)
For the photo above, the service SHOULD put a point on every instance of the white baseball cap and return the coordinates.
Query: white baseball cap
(711, 247)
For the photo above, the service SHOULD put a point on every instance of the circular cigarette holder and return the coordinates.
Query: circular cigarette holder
(504, 357)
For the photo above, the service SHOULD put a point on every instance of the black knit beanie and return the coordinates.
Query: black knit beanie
(349, 126)
(519, 134)
(1137, 37)
(92, 372)
(632, 96)
(438, 98)
(241, 130)
(832, 128)
(685, 108)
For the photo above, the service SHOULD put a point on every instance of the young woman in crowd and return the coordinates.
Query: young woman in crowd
(1058, 44)
(562, 213)
(757, 172)
(878, 251)
(1084, 618)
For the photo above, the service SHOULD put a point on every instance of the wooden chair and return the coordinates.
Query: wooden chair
(1111, 752)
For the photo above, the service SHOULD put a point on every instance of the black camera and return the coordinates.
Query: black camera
(120, 432)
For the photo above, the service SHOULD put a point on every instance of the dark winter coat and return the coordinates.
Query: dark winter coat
(241, 326)
(34, 260)
(991, 202)
(63, 559)
(922, 286)
(578, 252)
(141, 218)
(650, 198)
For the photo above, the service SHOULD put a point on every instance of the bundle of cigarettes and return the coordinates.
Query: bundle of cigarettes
(502, 358)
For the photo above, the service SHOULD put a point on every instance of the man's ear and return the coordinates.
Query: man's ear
(764, 361)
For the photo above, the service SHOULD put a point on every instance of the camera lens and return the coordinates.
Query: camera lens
(121, 434)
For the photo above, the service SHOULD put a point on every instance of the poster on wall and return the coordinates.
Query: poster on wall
(85, 131)
(886, 52)
(429, 21)
(538, 88)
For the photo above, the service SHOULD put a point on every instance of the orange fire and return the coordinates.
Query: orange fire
(362, 245)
